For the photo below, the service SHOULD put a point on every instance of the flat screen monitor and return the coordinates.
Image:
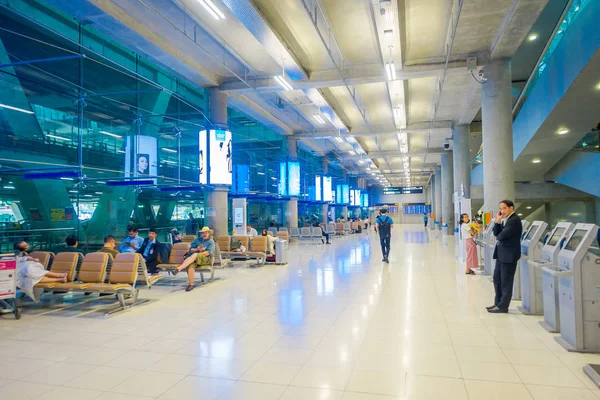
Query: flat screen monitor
(558, 232)
(338, 194)
(327, 192)
(141, 156)
(293, 178)
(575, 239)
(352, 197)
(282, 189)
(221, 152)
(365, 200)
(345, 194)
(203, 157)
(318, 188)
(531, 232)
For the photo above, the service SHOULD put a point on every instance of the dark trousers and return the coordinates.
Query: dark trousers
(385, 245)
(504, 277)
(151, 266)
(326, 236)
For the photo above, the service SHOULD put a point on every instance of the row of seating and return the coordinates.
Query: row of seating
(256, 247)
(178, 254)
(97, 273)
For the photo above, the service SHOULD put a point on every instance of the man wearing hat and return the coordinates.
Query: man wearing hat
(201, 250)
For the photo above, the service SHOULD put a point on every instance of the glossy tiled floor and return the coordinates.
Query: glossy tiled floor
(336, 323)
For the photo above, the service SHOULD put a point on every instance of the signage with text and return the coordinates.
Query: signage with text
(403, 190)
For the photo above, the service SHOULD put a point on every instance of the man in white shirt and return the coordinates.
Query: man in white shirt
(250, 231)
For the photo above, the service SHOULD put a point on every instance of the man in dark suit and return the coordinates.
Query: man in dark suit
(508, 230)
(150, 250)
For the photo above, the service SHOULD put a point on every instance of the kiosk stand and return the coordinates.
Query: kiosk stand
(579, 300)
(517, 283)
(550, 273)
(531, 249)
(489, 244)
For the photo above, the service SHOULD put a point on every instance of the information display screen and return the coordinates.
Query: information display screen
(531, 232)
(352, 197)
(338, 194)
(327, 192)
(575, 240)
(293, 178)
(220, 157)
(556, 237)
(203, 157)
(403, 190)
(283, 179)
(365, 200)
(318, 188)
(416, 208)
(141, 156)
(345, 194)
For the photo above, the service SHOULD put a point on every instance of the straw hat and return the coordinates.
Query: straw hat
(205, 229)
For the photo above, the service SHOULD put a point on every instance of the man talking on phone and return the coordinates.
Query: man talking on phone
(508, 230)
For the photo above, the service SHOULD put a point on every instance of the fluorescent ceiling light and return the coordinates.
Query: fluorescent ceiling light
(388, 33)
(404, 148)
(532, 37)
(361, 161)
(9, 187)
(111, 134)
(15, 109)
(57, 137)
(120, 151)
(339, 139)
(563, 131)
(66, 179)
(212, 9)
(402, 137)
(368, 169)
(283, 83)
(168, 150)
(536, 161)
(101, 182)
(260, 173)
(98, 192)
(87, 195)
(319, 119)
(520, 215)
(391, 71)
(352, 152)
(169, 162)
(528, 207)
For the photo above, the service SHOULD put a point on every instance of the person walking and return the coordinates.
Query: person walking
(425, 219)
(508, 230)
(383, 226)
(470, 246)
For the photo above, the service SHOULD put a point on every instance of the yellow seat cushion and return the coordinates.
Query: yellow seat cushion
(155, 278)
(108, 286)
(47, 285)
(71, 286)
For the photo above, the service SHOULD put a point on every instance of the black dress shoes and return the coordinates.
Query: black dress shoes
(497, 310)
(490, 307)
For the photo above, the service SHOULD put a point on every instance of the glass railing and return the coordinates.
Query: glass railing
(576, 8)
(590, 142)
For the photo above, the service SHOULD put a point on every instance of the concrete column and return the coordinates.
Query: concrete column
(324, 211)
(217, 104)
(437, 202)
(291, 213)
(292, 145)
(345, 212)
(325, 166)
(496, 103)
(216, 211)
(447, 191)
(461, 160)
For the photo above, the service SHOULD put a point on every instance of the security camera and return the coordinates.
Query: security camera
(481, 75)
(446, 146)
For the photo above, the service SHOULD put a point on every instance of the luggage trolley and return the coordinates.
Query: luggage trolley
(9, 303)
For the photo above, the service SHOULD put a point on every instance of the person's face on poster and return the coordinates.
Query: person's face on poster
(143, 163)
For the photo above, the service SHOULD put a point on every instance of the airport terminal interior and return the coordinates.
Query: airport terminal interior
(195, 197)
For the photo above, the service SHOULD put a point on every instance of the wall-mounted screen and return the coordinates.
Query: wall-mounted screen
(203, 157)
(141, 156)
(283, 179)
(327, 192)
(403, 190)
(318, 188)
(355, 197)
(556, 237)
(365, 200)
(220, 157)
(345, 194)
(338, 194)
(293, 178)
(575, 240)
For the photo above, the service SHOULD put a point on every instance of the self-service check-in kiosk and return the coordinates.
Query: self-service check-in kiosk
(579, 299)
(517, 282)
(531, 249)
(489, 243)
(550, 273)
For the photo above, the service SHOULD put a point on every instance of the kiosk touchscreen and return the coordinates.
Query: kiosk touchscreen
(531, 249)
(579, 299)
(489, 243)
(550, 273)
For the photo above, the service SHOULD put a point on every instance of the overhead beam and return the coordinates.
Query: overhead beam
(356, 75)
(395, 153)
(440, 127)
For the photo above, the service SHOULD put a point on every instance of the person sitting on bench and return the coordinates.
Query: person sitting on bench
(201, 250)
(109, 246)
(150, 250)
(30, 272)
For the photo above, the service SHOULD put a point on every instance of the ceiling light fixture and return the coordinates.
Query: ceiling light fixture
(15, 109)
(339, 139)
(399, 118)
(391, 71)
(528, 207)
(352, 152)
(563, 131)
(66, 179)
(388, 33)
(361, 161)
(212, 9)
(283, 83)
(9, 187)
(168, 150)
(536, 161)
(319, 119)
(532, 37)
(111, 134)
(121, 151)
(57, 137)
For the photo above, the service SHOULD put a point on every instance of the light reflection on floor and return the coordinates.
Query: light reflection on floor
(336, 323)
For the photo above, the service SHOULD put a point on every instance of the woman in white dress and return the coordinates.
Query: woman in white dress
(30, 272)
